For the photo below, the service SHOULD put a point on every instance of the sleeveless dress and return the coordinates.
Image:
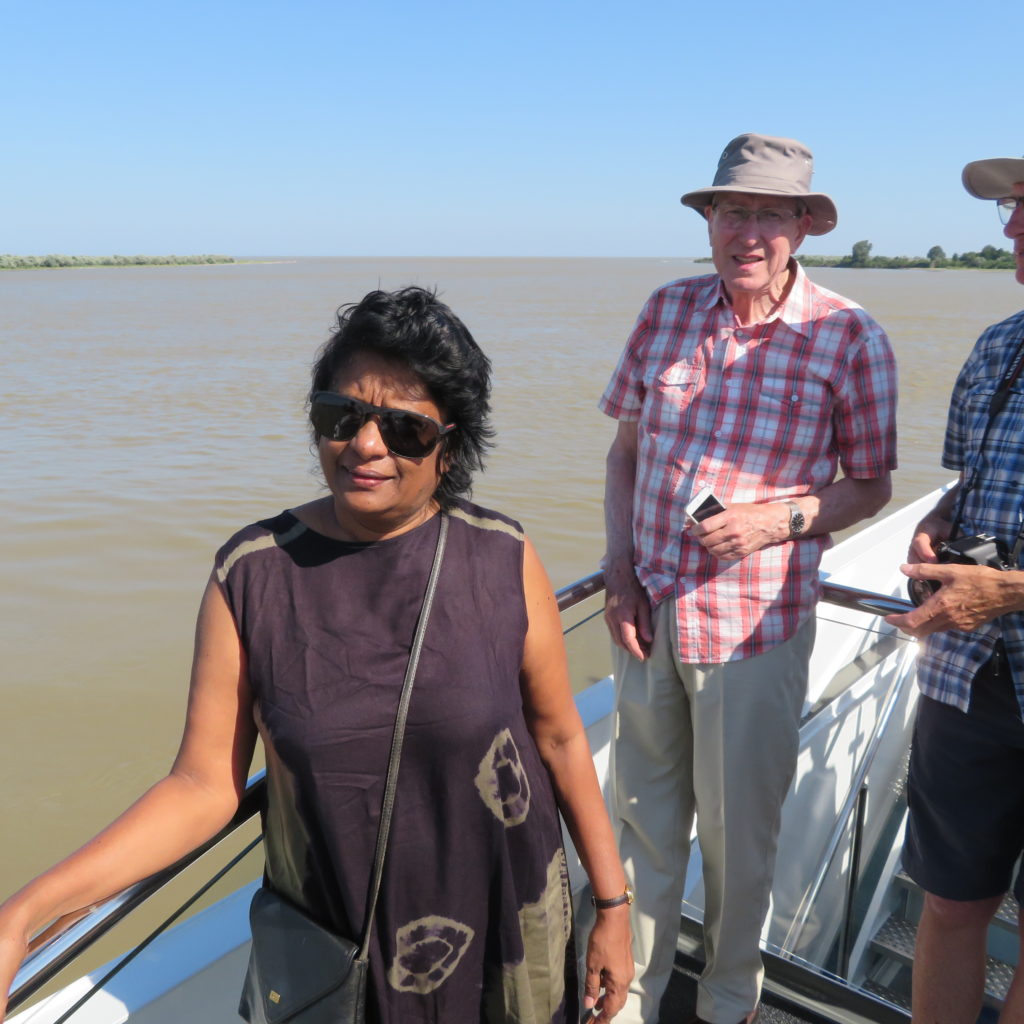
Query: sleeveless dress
(474, 918)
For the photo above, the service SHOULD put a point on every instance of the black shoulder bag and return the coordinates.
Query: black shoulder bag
(299, 972)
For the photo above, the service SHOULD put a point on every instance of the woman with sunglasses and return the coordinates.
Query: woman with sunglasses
(303, 637)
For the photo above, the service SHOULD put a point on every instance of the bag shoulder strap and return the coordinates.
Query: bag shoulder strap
(391, 784)
(995, 405)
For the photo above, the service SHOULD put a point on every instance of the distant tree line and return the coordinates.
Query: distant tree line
(990, 258)
(30, 262)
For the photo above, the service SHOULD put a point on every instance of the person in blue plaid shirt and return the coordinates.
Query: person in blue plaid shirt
(965, 831)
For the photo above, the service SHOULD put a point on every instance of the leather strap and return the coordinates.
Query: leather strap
(391, 784)
(996, 403)
(615, 901)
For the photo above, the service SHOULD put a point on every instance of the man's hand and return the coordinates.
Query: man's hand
(742, 529)
(968, 597)
(927, 534)
(627, 611)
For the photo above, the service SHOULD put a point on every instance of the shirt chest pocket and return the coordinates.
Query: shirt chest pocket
(982, 393)
(993, 439)
(803, 399)
(677, 379)
(672, 389)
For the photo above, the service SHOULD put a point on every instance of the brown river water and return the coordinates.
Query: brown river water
(146, 413)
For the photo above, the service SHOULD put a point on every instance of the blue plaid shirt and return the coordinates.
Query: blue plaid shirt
(949, 660)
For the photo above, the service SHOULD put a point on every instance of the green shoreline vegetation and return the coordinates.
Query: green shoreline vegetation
(8, 262)
(990, 258)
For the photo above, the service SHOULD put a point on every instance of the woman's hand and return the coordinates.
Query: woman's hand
(554, 722)
(11, 955)
(13, 949)
(609, 963)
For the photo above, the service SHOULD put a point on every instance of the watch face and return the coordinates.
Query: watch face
(797, 520)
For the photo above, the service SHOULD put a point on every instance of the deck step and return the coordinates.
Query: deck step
(890, 995)
(896, 938)
(1006, 917)
(1008, 913)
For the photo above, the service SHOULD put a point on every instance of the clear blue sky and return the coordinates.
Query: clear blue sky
(442, 127)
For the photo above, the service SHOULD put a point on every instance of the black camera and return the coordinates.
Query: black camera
(981, 549)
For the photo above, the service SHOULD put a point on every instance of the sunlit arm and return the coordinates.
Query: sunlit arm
(968, 596)
(557, 729)
(192, 803)
(627, 611)
(844, 503)
(744, 528)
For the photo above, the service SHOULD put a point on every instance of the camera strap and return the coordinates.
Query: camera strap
(995, 405)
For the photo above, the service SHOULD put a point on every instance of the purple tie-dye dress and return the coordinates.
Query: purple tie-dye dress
(474, 917)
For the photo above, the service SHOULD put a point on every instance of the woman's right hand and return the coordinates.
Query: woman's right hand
(13, 949)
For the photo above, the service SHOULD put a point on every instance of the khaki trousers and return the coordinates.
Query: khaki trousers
(718, 741)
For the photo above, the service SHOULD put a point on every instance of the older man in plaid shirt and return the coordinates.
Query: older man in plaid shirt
(761, 385)
(966, 788)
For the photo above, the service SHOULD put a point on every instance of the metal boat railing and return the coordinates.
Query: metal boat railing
(63, 941)
(838, 594)
(576, 593)
(854, 800)
(863, 600)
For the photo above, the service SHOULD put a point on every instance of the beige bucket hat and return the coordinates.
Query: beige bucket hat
(993, 179)
(764, 165)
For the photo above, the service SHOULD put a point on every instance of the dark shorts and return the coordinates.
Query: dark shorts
(965, 790)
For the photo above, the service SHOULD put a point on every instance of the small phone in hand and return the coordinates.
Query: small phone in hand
(703, 505)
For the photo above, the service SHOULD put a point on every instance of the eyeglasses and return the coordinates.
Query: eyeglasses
(1008, 206)
(770, 219)
(409, 435)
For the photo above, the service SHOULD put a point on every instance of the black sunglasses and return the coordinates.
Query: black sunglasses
(410, 435)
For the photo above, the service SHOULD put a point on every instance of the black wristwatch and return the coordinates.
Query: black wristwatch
(615, 901)
(797, 522)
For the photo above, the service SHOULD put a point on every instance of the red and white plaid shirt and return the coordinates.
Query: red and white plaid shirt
(759, 413)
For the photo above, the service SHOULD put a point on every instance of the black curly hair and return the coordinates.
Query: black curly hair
(413, 328)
